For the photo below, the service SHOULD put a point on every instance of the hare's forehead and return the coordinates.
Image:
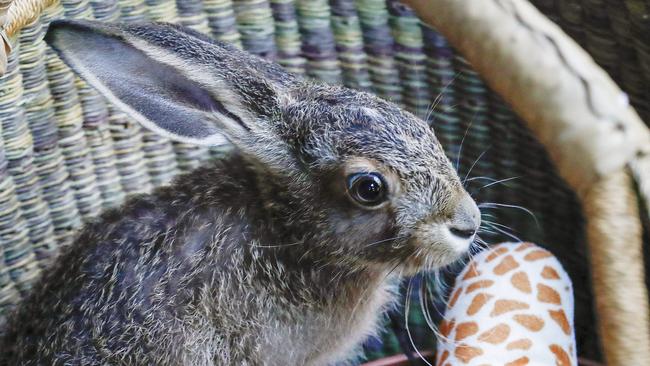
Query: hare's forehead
(368, 127)
(417, 162)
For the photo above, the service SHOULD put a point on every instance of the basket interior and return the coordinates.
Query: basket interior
(65, 154)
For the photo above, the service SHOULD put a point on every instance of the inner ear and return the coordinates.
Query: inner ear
(155, 92)
(165, 98)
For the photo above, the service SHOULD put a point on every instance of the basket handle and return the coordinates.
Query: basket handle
(5, 45)
(575, 109)
(591, 132)
(14, 15)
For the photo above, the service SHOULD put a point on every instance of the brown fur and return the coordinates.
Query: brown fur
(260, 258)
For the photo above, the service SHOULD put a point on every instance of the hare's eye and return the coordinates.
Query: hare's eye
(368, 189)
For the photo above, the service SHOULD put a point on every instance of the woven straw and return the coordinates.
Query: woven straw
(578, 159)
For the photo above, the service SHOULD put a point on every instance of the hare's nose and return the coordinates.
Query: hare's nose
(466, 219)
(462, 233)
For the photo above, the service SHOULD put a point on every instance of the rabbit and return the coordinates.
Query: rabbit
(286, 251)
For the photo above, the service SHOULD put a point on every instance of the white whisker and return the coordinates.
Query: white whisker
(407, 307)
(385, 240)
(480, 177)
(474, 164)
(498, 182)
(495, 226)
(460, 149)
(503, 205)
(438, 98)
(274, 246)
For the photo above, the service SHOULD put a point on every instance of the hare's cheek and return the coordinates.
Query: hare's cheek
(366, 232)
(361, 222)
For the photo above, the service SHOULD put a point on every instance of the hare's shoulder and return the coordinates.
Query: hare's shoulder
(142, 261)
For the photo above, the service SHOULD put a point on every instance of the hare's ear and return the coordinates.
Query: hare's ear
(158, 83)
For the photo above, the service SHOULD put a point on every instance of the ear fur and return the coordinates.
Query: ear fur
(187, 92)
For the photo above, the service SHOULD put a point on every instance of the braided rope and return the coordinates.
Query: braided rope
(24, 12)
(5, 46)
(582, 117)
(14, 15)
(640, 168)
(617, 270)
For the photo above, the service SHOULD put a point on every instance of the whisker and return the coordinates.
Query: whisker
(385, 240)
(439, 281)
(425, 308)
(480, 177)
(481, 242)
(484, 229)
(407, 307)
(438, 98)
(274, 246)
(503, 205)
(460, 149)
(476, 248)
(510, 235)
(498, 182)
(399, 262)
(441, 286)
(500, 225)
(474, 164)
(427, 314)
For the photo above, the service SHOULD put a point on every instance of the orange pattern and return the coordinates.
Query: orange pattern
(562, 358)
(464, 330)
(507, 264)
(495, 253)
(496, 334)
(465, 353)
(477, 303)
(521, 282)
(530, 322)
(479, 284)
(560, 318)
(511, 306)
(550, 274)
(523, 344)
(521, 361)
(504, 306)
(547, 294)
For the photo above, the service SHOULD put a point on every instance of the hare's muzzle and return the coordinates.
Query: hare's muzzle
(445, 237)
(464, 224)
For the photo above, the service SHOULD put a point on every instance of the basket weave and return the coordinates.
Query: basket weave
(579, 157)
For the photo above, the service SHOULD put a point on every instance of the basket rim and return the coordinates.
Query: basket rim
(570, 103)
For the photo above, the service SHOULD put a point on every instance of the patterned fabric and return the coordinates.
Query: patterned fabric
(512, 305)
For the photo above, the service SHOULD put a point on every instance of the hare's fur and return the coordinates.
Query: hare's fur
(167, 280)
(260, 258)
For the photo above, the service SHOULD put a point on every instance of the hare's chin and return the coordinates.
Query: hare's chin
(435, 247)
(430, 258)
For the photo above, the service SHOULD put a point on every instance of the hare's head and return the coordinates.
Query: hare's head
(366, 182)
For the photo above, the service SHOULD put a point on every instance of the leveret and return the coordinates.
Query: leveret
(285, 252)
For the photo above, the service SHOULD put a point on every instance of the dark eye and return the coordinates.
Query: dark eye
(368, 189)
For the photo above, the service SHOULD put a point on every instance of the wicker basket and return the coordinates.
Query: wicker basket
(577, 157)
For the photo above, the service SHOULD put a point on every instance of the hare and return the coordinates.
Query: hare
(284, 252)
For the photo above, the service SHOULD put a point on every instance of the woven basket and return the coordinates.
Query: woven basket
(575, 155)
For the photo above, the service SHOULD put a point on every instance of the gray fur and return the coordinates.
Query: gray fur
(260, 258)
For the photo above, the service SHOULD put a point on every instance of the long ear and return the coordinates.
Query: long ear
(178, 85)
